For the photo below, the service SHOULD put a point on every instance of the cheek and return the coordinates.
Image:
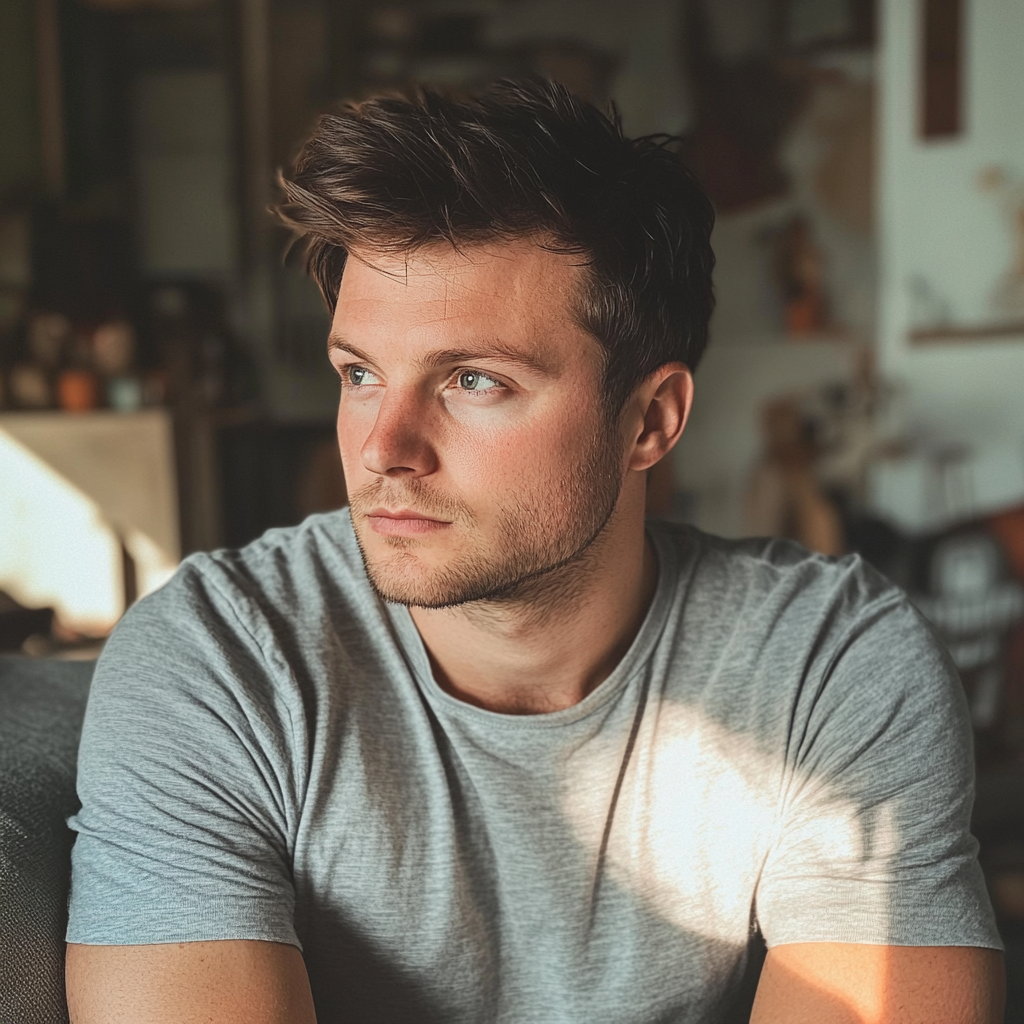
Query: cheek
(533, 458)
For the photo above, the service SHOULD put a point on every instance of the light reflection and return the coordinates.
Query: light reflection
(700, 817)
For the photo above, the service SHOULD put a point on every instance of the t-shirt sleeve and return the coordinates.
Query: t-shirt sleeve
(873, 840)
(187, 785)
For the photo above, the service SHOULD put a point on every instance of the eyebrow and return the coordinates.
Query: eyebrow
(495, 349)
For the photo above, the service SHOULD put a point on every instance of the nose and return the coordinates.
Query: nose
(399, 443)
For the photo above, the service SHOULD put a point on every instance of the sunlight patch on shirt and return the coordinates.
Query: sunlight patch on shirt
(703, 814)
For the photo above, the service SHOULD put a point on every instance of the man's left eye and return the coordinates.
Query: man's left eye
(471, 380)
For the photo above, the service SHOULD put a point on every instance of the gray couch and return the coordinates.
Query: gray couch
(41, 709)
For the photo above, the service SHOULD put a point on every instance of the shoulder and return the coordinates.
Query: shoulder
(803, 638)
(247, 621)
(286, 576)
(765, 565)
(319, 554)
(777, 584)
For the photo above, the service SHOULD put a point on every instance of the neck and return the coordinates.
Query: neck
(546, 650)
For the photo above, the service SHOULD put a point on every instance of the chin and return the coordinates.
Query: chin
(400, 572)
(404, 570)
(402, 578)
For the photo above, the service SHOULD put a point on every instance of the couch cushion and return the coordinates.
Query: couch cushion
(41, 707)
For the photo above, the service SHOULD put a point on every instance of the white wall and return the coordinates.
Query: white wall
(936, 222)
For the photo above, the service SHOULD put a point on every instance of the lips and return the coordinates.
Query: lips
(403, 522)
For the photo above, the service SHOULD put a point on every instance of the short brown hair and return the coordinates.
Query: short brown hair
(522, 158)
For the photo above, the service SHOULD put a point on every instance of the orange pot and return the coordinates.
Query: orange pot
(77, 390)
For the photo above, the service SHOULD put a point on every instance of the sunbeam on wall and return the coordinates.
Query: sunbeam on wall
(56, 549)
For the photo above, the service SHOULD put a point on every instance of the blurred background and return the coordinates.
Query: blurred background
(163, 385)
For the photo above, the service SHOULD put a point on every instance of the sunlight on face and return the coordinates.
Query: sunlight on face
(473, 436)
(694, 822)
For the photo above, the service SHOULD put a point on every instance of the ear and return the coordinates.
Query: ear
(657, 412)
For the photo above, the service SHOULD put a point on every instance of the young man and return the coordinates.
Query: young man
(485, 747)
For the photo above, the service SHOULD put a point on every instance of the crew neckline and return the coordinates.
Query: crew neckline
(637, 655)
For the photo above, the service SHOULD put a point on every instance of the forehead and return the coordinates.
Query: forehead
(516, 286)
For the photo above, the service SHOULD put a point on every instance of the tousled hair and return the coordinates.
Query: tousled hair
(521, 159)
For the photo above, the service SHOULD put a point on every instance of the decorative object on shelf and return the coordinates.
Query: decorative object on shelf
(390, 38)
(124, 394)
(811, 480)
(784, 497)
(742, 110)
(79, 351)
(78, 390)
(113, 353)
(929, 310)
(113, 348)
(799, 271)
(1007, 300)
(29, 387)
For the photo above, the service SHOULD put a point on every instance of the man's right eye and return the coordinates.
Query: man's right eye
(357, 375)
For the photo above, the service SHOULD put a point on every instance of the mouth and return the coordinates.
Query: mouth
(403, 522)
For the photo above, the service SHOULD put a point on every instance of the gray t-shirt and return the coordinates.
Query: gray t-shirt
(784, 748)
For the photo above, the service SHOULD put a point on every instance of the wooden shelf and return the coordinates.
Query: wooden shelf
(961, 333)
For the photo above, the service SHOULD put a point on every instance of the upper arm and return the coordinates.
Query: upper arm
(838, 983)
(225, 982)
(871, 898)
(873, 840)
(188, 783)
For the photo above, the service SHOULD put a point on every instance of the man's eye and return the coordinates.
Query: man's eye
(471, 380)
(357, 375)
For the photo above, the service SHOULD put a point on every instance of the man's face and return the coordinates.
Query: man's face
(477, 452)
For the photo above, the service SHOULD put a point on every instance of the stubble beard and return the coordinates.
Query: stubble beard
(537, 556)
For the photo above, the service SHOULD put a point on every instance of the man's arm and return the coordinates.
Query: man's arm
(225, 982)
(842, 983)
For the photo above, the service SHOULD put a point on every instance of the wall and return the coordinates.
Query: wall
(936, 223)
